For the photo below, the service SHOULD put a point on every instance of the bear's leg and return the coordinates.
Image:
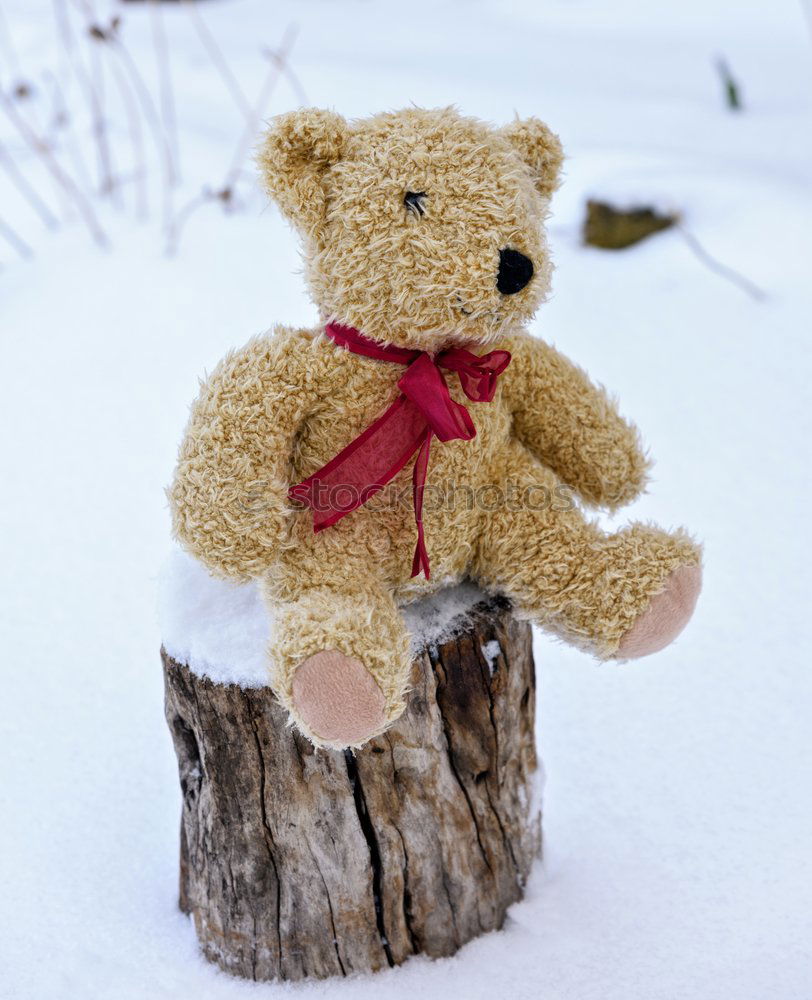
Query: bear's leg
(624, 594)
(340, 662)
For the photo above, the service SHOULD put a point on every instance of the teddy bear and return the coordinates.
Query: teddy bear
(418, 435)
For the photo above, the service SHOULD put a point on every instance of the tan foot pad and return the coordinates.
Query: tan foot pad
(666, 616)
(337, 698)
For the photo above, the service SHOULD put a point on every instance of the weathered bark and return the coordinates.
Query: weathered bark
(299, 862)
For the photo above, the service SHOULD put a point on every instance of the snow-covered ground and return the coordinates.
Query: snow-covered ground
(678, 818)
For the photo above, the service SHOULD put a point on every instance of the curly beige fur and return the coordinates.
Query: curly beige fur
(274, 412)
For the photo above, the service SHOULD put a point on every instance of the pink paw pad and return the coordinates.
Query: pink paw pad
(666, 616)
(337, 698)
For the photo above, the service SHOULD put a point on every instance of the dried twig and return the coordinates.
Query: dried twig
(249, 133)
(293, 79)
(39, 126)
(10, 48)
(19, 181)
(179, 221)
(94, 100)
(225, 193)
(218, 59)
(55, 140)
(168, 114)
(226, 198)
(110, 37)
(136, 140)
(12, 237)
(58, 118)
(728, 273)
(97, 83)
(168, 172)
(46, 155)
(732, 90)
(62, 119)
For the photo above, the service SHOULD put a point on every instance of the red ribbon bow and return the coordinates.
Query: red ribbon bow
(424, 410)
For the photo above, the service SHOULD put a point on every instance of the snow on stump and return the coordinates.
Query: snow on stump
(298, 862)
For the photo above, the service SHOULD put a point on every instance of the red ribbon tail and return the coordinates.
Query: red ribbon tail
(420, 562)
(364, 467)
(425, 408)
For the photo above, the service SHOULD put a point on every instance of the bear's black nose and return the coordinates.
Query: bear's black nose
(515, 270)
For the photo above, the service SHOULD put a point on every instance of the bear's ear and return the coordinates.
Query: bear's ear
(540, 148)
(299, 148)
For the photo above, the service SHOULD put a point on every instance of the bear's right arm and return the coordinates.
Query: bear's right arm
(229, 494)
(572, 425)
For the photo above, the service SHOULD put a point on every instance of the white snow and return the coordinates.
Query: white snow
(677, 816)
(221, 629)
(491, 650)
(434, 619)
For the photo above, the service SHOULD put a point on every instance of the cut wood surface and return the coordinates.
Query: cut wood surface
(299, 862)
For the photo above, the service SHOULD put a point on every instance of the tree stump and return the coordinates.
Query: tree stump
(298, 862)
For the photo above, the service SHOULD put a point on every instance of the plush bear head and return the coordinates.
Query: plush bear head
(420, 228)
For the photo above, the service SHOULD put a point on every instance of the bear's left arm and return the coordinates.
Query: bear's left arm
(572, 425)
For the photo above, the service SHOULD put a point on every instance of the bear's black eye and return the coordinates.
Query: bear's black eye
(413, 200)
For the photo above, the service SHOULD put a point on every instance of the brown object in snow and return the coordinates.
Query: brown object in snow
(615, 229)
